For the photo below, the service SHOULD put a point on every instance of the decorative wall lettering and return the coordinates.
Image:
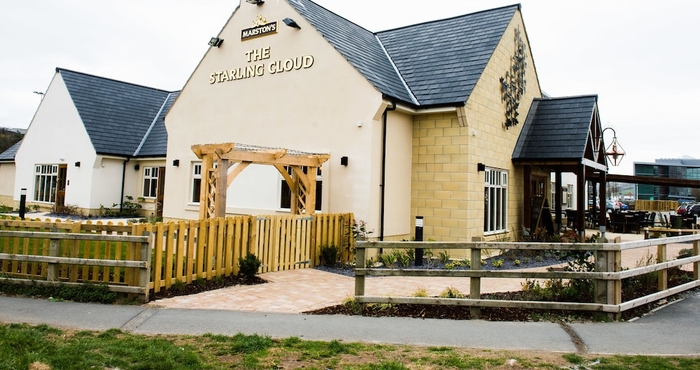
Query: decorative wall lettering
(259, 69)
(513, 84)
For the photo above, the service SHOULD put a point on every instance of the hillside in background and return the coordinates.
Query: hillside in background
(9, 136)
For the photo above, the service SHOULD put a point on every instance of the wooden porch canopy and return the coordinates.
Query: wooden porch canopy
(221, 163)
(564, 135)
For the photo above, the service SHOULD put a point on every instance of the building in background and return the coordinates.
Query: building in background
(678, 168)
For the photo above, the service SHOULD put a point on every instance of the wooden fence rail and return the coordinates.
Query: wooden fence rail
(184, 251)
(607, 276)
(58, 266)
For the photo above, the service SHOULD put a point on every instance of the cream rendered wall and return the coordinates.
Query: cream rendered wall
(56, 135)
(327, 108)
(447, 188)
(7, 184)
(398, 176)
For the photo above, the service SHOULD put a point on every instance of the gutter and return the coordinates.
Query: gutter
(382, 205)
(121, 198)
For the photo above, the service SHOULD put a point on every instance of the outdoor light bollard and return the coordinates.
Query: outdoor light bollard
(22, 203)
(419, 238)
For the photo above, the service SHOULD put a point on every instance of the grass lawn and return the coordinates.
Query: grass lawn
(43, 347)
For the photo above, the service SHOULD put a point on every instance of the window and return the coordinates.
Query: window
(495, 200)
(45, 178)
(286, 193)
(196, 182)
(150, 182)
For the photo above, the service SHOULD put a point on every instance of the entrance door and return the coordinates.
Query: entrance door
(540, 215)
(160, 192)
(61, 188)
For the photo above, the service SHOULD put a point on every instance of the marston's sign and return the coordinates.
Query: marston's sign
(258, 31)
(260, 28)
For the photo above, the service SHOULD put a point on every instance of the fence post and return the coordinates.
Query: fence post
(696, 265)
(145, 273)
(360, 264)
(608, 291)
(54, 251)
(661, 256)
(475, 282)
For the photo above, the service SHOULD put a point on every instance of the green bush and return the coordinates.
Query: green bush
(329, 255)
(249, 265)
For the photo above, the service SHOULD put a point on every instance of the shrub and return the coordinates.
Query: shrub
(388, 259)
(451, 292)
(402, 258)
(249, 265)
(444, 257)
(497, 263)
(329, 255)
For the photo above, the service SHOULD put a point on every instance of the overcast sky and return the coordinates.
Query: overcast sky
(639, 56)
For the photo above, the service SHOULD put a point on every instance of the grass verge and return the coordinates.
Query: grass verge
(43, 347)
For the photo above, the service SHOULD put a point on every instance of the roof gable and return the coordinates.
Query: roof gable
(432, 63)
(9, 154)
(560, 129)
(116, 115)
(357, 45)
(155, 143)
(442, 61)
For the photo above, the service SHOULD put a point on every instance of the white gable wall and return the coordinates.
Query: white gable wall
(56, 135)
(326, 108)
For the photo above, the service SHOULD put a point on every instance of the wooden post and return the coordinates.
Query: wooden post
(696, 265)
(145, 274)
(360, 264)
(475, 282)
(661, 256)
(608, 291)
(54, 251)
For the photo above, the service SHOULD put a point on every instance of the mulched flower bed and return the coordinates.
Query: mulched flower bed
(202, 285)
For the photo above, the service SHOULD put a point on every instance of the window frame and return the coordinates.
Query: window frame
(286, 199)
(150, 182)
(45, 175)
(196, 183)
(495, 201)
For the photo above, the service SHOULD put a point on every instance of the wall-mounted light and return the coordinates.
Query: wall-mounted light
(291, 23)
(480, 167)
(176, 162)
(255, 2)
(137, 167)
(614, 152)
(215, 42)
(343, 161)
(77, 164)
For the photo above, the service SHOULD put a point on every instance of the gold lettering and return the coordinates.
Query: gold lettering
(212, 78)
(308, 61)
(288, 65)
(260, 69)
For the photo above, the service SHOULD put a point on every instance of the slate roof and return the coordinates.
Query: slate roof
(9, 154)
(118, 115)
(155, 144)
(427, 64)
(557, 128)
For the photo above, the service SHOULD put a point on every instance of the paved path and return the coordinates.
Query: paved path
(297, 291)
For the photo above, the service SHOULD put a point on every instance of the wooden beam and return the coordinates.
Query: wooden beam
(236, 171)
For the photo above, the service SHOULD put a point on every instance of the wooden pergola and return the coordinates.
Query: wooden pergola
(221, 163)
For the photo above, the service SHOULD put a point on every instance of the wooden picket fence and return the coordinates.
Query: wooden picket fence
(185, 251)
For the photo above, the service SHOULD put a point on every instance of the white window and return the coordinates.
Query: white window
(495, 201)
(196, 182)
(150, 182)
(286, 193)
(45, 179)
